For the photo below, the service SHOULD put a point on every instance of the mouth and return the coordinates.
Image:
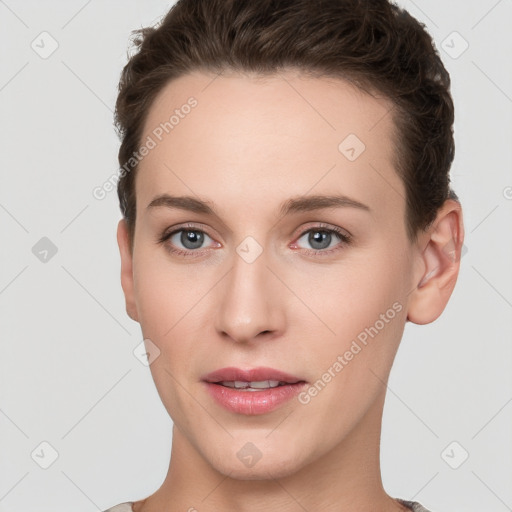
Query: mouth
(232, 374)
(254, 391)
(253, 385)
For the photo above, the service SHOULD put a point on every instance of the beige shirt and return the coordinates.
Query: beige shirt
(127, 506)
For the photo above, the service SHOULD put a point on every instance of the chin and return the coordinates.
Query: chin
(250, 463)
(260, 472)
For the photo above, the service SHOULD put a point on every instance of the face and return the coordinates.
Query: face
(288, 264)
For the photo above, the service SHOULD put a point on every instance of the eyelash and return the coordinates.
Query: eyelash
(345, 240)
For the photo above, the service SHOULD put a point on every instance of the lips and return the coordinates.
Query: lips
(260, 374)
(254, 391)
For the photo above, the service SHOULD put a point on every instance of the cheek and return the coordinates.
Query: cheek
(361, 303)
(351, 294)
(168, 302)
(174, 303)
(164, 292)
(364, 306)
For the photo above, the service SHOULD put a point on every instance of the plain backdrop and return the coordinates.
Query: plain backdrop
(74, 397)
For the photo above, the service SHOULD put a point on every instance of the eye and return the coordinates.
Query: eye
(323, 240)
(190, 239)
(186, 241)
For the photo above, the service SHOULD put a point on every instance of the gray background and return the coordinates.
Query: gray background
(68, 373)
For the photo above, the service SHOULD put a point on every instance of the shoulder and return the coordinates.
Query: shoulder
(413, 505)
(122, 507)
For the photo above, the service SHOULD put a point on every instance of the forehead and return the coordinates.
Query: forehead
(258, 138)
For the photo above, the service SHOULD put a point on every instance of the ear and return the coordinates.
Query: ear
(438, 263)
(123, 241)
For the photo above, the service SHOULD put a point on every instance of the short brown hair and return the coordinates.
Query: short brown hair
(372, 43)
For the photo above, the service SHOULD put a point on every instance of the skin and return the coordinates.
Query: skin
(251, 144)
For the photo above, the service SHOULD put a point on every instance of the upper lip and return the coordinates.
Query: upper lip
(261, 373)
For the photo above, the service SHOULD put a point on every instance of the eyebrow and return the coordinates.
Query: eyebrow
(293, 205)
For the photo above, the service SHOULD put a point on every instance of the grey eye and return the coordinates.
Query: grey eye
(319, 239)
(189, 239)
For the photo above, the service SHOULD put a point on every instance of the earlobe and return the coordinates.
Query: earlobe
(439, 263)
(123, 241)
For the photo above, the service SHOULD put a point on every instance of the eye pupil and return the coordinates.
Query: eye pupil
(320, 237)
(192, 239)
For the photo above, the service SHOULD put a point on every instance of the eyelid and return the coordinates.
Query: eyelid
(187, 226)
(322, 226)
(164, 240)
(344, 236)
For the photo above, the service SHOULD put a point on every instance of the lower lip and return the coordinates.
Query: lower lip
(253, 402)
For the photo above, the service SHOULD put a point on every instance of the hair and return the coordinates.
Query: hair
(373, 44)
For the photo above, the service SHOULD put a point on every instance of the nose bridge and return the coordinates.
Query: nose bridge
(249, 302)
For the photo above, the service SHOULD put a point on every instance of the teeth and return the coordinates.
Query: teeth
(261, 384)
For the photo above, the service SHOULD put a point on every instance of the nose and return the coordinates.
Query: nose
(250, 305)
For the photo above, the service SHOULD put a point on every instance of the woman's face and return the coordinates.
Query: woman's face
(257, 274)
